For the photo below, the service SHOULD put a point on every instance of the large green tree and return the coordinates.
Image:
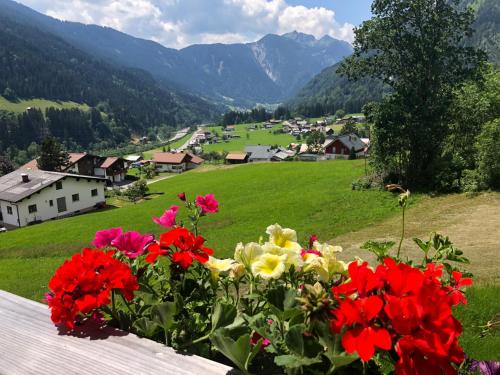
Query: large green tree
(418, 47)
(52, 156)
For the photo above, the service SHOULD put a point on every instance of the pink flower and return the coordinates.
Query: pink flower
(208, 204)
(303, 252)
(167, 220)
(182, 196)
(104, 238)
(254, 339)
(132, 244)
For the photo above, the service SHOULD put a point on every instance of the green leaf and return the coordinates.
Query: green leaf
(164, 313)
(300, 344)
(294, 361)
(145, 327)
(223, 315)
(238, 351)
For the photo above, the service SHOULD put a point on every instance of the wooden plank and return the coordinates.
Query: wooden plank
(31, 344)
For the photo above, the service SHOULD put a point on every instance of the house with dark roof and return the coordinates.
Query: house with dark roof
(265, 153)
(114, 169)
(176, 162)
(33, 196)
(341, 146)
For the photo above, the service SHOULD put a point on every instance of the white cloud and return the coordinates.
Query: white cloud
(178, 23)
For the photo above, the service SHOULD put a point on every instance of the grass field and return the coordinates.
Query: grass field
(309, 197)
(20, 106)
(254, 137)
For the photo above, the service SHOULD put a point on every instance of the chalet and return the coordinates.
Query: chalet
(274, 121)
(133, 158)
(329, 131)
(345, 121)
(79, 163)
(230, 128)
(175, 162)
(341, 146)
(268, 125)
(28, 197)
(114, 169)
(237, 158)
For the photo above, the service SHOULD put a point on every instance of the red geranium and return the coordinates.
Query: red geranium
(84, 283)
(407, 306)
(183, 246)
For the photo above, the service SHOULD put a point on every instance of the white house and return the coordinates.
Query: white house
(175, 162)
(28, 197)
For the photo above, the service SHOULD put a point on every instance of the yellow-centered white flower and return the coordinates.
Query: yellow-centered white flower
(269, 266)
(247, 254)
(283, 237)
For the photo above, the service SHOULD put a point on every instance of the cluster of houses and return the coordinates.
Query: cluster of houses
(336, 147)
(30, 195)
(299, 126)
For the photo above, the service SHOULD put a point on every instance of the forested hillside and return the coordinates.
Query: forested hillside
(328, 91)
(35, 64)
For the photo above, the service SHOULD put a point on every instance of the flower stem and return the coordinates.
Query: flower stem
(402, 233)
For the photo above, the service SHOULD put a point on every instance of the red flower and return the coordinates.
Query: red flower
(401, 304)
(456, 295)
(182, 196)
(364, 340)
(154, 251)
(84, 283)
(189, 248)
(208, 204)
(363, 280)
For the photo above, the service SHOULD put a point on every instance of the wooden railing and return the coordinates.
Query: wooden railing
(31, 344)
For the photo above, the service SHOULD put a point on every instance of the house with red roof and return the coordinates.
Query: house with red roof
(176, 161)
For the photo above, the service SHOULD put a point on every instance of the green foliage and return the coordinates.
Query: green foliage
(488, 155)
(6, 165)
(417, 49)
(136, 191)
(52, 156)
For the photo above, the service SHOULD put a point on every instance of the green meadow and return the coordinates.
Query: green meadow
(309, 197)
(313, 198)
(248, 137)
(42, 104)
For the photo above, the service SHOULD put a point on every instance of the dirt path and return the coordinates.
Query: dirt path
(473, 225)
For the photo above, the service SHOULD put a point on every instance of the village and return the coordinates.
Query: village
(30, 195)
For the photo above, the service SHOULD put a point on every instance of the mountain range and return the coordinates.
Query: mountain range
(269, 70)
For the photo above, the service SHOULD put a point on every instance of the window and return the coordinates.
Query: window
(75, 197)
(51, 203)
(32, 208)
(58, 185)
(94, 192)
(9, 210)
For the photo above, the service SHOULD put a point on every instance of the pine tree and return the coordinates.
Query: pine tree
(52, 156)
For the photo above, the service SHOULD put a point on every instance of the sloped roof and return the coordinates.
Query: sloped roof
(236, 156)
(169, 157)
(108, 162)
(13, 189)
(195, 159)
(349, 141)
(74, 157)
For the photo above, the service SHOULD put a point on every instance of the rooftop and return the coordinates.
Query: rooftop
(13, 189)
(169, 157)
(236, 156)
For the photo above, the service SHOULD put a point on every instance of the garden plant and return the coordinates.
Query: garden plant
(277, 306)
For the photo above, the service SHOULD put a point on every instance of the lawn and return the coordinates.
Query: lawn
(254, 137)
(20, 106)
(310, 197)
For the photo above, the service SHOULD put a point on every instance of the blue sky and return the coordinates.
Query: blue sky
(179, 23)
